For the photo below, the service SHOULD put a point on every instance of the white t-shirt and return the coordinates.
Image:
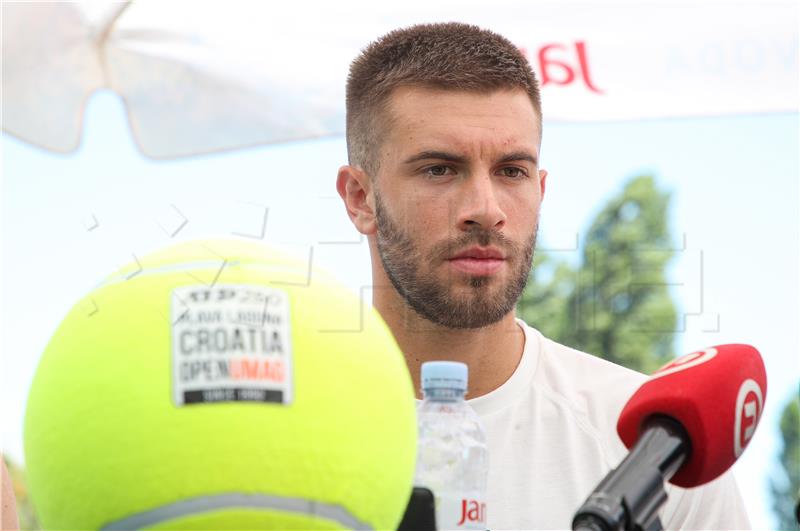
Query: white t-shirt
(551, 431)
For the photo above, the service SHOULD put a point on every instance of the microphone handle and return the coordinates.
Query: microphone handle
(630, 496)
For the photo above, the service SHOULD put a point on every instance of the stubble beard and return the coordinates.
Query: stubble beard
(411, 275)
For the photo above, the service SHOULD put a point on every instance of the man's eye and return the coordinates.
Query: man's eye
(514, 173)
(437, 171)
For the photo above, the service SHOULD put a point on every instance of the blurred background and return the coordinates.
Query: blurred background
(671, 220)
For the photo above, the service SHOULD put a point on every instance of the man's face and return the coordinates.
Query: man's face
(457, 202)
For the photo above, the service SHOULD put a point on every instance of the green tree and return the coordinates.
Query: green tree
(785, 488)
(616, 303)
(547, 294)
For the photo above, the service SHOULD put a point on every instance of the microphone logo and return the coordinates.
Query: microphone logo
(685, 362)
(749, 405)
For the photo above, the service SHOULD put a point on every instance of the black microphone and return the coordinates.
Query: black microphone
(420, 513)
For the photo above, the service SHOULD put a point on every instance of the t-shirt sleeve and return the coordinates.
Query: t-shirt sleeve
(717, 505)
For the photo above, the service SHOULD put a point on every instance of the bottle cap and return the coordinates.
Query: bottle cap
(444, 375)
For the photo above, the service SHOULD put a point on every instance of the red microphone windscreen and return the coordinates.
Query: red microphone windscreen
(716, 394)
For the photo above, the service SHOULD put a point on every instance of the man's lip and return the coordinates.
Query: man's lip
(480, 253)
(477, 266)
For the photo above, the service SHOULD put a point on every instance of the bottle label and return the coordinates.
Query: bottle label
(454, 511)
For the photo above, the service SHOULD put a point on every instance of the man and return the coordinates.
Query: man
(444, 128)
(8, 509)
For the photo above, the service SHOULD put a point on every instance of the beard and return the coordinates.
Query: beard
(485, 302)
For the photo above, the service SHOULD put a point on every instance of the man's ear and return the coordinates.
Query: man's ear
(355, 188)
(542, 181)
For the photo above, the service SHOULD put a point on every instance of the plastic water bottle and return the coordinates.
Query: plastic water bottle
(452, 456)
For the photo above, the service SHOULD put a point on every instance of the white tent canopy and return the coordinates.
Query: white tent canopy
(202, 76)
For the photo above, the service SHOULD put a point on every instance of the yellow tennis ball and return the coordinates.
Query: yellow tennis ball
(220, 385)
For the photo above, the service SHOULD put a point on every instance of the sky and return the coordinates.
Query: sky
(70, 220)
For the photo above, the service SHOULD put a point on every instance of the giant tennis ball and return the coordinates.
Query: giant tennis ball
(220, 385)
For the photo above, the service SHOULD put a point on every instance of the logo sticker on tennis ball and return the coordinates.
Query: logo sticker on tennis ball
(231, 343)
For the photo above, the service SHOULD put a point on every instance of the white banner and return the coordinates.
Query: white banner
(206, 76)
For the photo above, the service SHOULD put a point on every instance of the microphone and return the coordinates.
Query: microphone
(688, 423)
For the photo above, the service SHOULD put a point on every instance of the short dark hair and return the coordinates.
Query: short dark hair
(449, 56)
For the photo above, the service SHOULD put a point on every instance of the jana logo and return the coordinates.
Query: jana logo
(749, 405)
(472, 511)
(684, 362)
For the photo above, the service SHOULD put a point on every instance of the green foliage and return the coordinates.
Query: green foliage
(616, 303)
(25, 513)
(785, 488)
(545, 299)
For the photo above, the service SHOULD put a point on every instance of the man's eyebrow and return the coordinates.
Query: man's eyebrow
(438, 155)
(518, 155)
(452, 157)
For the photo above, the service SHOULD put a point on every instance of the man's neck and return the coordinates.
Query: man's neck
(492, 353)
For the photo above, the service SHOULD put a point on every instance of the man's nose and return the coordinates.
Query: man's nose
(480, 205)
